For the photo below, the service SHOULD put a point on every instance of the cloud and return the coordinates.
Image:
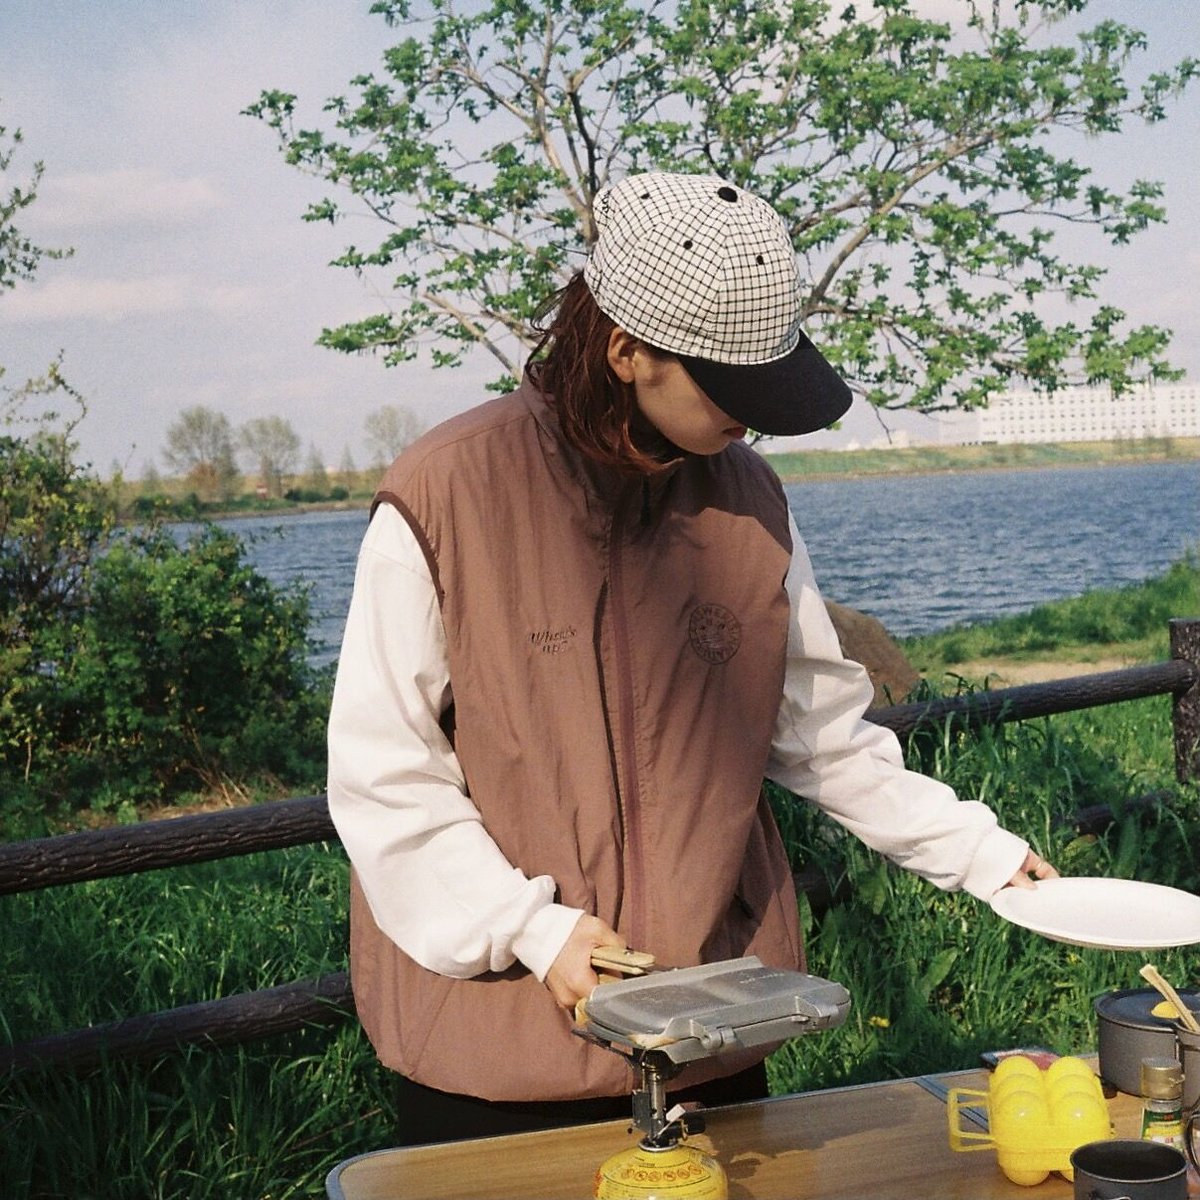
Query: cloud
(111, 299)
(125, 196)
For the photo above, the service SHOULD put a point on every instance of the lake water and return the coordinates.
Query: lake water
(923, 553)
(920, 552)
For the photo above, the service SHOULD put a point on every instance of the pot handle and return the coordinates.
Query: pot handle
(1189, 1128)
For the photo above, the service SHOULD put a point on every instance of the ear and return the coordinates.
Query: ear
(622, 346)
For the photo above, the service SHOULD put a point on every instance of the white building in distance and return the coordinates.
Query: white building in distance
(1081, 414)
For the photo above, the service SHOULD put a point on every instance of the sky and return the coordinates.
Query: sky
(194, 280)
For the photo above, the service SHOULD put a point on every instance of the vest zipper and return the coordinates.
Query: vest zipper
(627, 745)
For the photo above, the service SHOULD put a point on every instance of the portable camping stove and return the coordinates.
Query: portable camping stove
(662, 1022)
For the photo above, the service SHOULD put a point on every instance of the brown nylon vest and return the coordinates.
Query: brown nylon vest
(616, 654)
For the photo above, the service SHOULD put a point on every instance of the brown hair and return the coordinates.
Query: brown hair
(570, 367)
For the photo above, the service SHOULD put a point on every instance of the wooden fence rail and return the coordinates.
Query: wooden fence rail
(203, 837)
(211, 1023)
(171, 842)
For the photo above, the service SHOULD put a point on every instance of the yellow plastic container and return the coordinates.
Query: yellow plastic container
(1035, 1117)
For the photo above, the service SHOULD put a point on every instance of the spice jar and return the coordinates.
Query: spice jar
(1162, 1106)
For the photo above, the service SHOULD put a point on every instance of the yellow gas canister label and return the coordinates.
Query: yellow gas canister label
(675, 1173)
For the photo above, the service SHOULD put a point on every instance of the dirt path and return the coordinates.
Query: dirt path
(1002, 672)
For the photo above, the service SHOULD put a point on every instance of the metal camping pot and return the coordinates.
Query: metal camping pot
(1129, 1170)
(1128, 1031)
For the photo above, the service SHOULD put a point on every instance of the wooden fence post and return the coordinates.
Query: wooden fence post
(1185, 712)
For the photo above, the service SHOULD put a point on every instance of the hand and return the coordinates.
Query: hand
(1035, 866)
(571, 977)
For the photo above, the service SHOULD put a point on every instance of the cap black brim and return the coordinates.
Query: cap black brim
(798, 393)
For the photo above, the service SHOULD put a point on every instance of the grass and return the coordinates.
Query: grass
(938, 978)
(935, 978)
(265, 1121)
(1128, 623)
(257, 1121)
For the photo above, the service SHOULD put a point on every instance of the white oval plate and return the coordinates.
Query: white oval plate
(1110, 914)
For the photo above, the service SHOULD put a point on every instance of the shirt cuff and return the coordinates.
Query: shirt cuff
(996, 860)
(544, 935)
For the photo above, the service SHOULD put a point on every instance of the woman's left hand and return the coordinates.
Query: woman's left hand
(1033, 865)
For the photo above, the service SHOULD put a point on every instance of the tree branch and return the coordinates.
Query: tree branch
(473, 328)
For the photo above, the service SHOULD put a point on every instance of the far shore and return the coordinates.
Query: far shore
(803, 466)
(808, 466)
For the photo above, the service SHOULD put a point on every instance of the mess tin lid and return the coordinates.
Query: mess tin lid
(701, 1012)
(1133, 1008)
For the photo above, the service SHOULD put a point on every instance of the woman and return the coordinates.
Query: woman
(584, 628)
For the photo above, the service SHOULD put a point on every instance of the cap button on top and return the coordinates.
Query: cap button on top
(727, 193)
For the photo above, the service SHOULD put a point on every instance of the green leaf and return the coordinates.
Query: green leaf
(935, 973)
(876, 886)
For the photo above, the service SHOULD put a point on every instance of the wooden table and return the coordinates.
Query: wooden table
(878, 1141)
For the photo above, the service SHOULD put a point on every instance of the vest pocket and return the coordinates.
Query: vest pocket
(732, 937)
(761, 917)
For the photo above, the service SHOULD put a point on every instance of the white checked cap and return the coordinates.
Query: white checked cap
(698, 267)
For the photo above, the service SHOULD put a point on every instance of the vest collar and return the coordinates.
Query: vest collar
(604, 485)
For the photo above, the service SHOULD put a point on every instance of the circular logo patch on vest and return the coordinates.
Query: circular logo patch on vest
(714, 632)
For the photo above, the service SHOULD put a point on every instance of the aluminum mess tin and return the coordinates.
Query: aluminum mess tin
(1128, 1031)
(702, 1012)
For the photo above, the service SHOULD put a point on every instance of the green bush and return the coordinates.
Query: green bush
(305, 495)
(135, 669)
(185, 670)
(156, 506)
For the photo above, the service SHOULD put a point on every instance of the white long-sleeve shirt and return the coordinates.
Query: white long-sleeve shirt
(436, 882)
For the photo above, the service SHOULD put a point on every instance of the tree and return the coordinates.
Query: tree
(275, 448)
(51, 521)
(316, 476)
(919, 176)
(200, 447)
(19, 255)
(54, 517)
(347, 470)
(389, 430)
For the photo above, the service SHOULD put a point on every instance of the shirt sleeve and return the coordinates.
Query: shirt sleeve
(436, 882)
(854, 770)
